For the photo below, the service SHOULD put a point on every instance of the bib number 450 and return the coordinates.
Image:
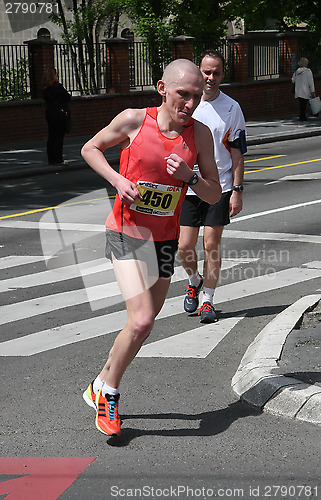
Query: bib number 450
(157, 199)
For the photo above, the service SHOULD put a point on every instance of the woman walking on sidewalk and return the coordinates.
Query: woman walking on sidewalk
(304, 86)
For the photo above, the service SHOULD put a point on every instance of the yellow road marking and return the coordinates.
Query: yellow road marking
(281, 166)
(55, 207)
(113, 196)
(266, 158)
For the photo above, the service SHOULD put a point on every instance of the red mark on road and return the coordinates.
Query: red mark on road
(44, 478)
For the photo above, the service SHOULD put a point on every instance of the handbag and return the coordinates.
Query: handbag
(67, 119)
(315, 105)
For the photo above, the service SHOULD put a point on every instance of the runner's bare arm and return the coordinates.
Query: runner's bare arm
(121, 130)
(236, 202)
(210, 190)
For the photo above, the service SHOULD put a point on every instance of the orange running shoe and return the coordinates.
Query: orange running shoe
(107, 418)
(89, 396)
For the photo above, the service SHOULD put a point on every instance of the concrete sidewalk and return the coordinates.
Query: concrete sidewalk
(23, 159)
(280, 370)
(269, 376)
(275, 130)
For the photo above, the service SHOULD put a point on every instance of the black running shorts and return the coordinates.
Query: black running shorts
(159, 256)
(197, 213)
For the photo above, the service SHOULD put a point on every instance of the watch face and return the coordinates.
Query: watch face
(194, 180)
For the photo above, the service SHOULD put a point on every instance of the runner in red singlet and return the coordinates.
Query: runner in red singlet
(159, 147)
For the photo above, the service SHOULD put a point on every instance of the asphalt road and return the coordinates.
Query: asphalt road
(185, 435)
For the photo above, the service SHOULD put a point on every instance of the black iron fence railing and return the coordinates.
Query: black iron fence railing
(88, 71)
(140, 56)
(263, 58)
(82, 71)
(14, 72)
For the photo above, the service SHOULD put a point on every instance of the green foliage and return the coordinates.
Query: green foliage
(284, 15)
(90, 18)
(151, 17)
(82, 27)
(156, 21)
(13, 81)
(153, 22)
(259, 14)
(309, 13)
(202, 19)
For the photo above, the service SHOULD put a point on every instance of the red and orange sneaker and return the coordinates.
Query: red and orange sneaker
(191, 297)
(107, 418)
(89, 396)
(207, 313)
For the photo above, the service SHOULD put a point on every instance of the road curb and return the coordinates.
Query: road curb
(49, 169)
(256, 140)
(255, 381)
(265, 139)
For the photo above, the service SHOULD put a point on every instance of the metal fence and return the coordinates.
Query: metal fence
(140, 57)
(263, 58)
(14, 72)
(88, 72)
(84, 73)
(81, 71)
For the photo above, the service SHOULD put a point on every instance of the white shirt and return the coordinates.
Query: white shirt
(225, 119)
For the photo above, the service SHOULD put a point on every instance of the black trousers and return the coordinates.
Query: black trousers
(303, 106)
(55, 142)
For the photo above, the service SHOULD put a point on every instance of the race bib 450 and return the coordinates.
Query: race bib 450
(156, 199)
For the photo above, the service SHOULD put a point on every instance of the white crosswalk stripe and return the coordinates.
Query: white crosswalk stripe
(54, 276)
(183, 344)
(99, 288)
(108, 293)
(19, 260)
(103, 325)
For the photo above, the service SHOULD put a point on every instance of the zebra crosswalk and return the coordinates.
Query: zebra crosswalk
(196, 342)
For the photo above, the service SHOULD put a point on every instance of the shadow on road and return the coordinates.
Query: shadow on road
(211, 423)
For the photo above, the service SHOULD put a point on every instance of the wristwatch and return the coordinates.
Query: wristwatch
(237, 188)
(193, 180)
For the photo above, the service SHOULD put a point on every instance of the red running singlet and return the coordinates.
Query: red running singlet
(157, 214)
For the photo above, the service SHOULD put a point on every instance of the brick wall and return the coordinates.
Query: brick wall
(25, 120)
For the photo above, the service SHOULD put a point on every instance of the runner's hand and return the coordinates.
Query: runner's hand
(127, 190)
(178, 168)
(235, 203)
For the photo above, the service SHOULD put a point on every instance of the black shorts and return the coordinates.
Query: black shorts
(197, 213)
(159, 256)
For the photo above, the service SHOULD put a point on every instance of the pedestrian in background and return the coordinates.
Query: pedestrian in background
(303, 86)
(224, 117)
(57, 115)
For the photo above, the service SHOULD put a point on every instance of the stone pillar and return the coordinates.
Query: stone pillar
(239, 58)
(117, 65)
(41, 56)
(288, 54)
(182, 47)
